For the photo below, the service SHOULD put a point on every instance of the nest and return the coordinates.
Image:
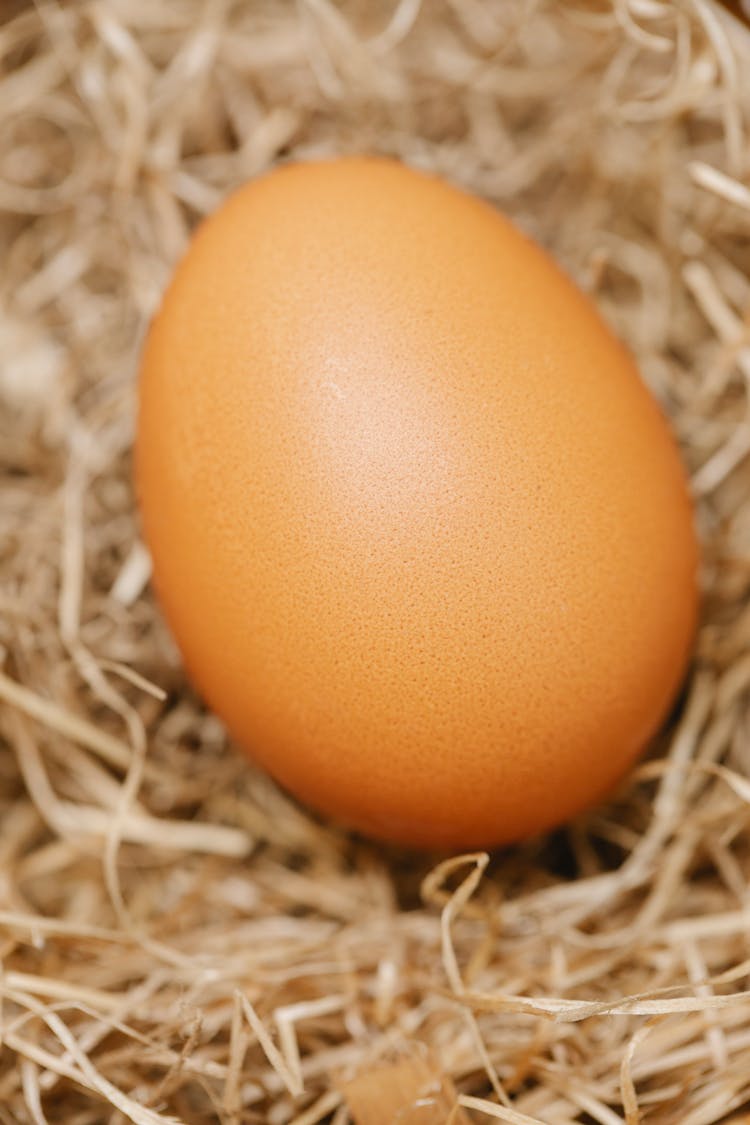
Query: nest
(181, 942)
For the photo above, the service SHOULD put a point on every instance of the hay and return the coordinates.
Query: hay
(179, 942)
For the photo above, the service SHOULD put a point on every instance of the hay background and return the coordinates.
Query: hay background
(178, 941)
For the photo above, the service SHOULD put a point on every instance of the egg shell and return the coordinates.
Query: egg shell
(418, 527)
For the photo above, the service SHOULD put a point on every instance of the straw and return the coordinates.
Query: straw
(179, 941)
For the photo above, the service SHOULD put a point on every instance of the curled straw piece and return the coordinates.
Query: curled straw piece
(74, 819)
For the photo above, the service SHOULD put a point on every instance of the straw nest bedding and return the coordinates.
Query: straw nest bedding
(178, 940)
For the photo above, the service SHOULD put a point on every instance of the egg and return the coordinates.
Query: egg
(420, 531)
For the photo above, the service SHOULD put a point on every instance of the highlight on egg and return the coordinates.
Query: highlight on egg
(419, 529)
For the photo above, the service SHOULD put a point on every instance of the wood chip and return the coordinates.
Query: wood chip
(410, 1091)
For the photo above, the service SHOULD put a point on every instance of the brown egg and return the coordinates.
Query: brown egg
(419, 529)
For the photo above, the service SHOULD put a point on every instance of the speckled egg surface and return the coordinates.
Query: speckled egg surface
(421, 533)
